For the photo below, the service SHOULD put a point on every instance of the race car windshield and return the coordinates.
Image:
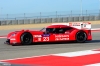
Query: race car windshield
(53, 30)
(50, 30)
(43, 29)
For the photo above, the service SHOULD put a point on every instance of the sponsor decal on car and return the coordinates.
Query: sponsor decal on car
(46, 35)
(12, 39)
(45, 38)
(39, 39)
(61, 37)
(74, 24)
(37, 36)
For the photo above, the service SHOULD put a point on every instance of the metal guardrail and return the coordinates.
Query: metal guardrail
(49, 20)
(49, 17)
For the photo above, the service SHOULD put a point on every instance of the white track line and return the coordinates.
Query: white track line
(95, 64)
(78, 53)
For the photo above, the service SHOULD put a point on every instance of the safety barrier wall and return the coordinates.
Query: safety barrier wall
(49, 20)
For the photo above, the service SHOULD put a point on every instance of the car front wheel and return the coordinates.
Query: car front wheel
(26, 38)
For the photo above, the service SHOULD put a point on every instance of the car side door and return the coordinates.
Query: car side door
(61, 35)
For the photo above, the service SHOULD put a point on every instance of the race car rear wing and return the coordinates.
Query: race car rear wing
(78, 25)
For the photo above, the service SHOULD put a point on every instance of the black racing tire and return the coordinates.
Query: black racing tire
(26, 38)
(81, 37)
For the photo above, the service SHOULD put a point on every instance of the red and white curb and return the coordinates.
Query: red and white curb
(78, 58)
(95, 29)
(3, 36)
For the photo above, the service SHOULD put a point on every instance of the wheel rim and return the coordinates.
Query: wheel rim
(81, 36)
(26, 38)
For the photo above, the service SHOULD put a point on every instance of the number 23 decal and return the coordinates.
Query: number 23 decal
(45, 38)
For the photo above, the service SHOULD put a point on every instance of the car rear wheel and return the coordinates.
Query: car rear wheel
(81, 37)
(26, 38)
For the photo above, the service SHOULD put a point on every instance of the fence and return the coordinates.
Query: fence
(49, 20)
(73, 17)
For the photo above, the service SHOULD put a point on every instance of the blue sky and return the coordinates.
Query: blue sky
(35, 6)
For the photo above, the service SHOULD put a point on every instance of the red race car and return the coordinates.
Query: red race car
(72, 31)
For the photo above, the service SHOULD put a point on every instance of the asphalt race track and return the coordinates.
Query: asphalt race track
(10, 52)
